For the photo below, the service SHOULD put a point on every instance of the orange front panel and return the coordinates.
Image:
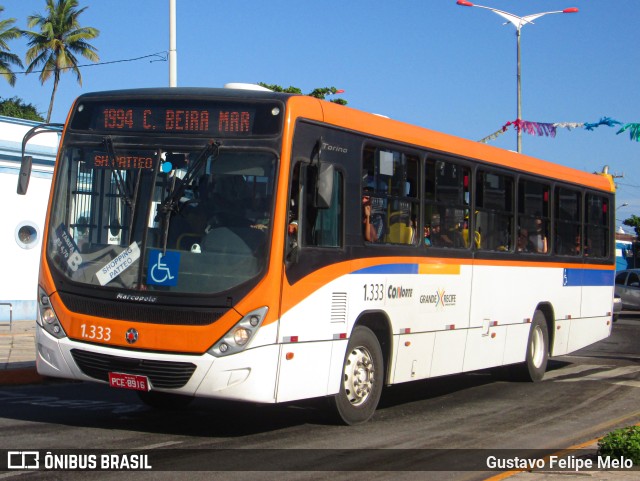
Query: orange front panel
(153, 337)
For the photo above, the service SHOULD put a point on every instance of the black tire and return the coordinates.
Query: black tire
(362, 378)
(164, 400)
(535, 365)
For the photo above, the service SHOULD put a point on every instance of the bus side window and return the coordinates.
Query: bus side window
(446, 194)
(533, 217)
(568, 210)
(597, 226)
(494, 203)
(390, 204)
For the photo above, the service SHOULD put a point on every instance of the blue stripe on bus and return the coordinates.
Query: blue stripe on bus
(587, 277)
(389, 269)
(571, 277)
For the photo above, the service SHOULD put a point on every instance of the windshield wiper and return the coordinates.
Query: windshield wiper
(122, 186)
(171, 203)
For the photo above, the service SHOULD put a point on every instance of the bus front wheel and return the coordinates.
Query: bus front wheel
(362, 378)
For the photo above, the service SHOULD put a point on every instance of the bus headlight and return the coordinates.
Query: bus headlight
(239, 336)
(47, 318)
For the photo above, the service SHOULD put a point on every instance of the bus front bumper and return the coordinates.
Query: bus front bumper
(246, 376)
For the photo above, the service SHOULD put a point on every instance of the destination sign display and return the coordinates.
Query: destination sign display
(179, 117)
(175, 120)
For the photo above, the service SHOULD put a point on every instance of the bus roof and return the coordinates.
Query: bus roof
(376, 125)
(383, 127)
(187, 93)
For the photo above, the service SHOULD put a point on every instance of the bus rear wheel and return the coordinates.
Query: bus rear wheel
(537, 356)
(362, 378)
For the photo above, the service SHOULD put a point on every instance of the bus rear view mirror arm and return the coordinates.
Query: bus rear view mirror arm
(27, 160)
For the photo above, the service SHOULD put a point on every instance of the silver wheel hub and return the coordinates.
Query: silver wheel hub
(359, 376)
(537, 346)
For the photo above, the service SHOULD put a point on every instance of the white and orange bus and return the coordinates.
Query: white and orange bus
(264, 247)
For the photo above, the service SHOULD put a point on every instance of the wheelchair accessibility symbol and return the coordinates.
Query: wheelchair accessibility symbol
(163, 269)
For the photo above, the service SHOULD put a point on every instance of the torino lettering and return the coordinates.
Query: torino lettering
(399, 292)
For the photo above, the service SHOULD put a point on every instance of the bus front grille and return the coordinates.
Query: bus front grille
(162, 374)
(153, 314)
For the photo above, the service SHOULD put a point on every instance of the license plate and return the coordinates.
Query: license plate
(128, 381)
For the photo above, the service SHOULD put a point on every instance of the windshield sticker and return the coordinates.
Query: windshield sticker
(67, 247)
(119, 264)
(163, 268)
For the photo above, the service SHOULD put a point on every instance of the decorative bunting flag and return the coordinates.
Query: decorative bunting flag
(569, 125)
(549, 130)
(532, 128)
(493, 136)
(603, 121)
(634, 131)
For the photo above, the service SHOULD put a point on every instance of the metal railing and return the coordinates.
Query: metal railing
(10, 311)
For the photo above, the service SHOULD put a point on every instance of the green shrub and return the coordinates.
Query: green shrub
(622, 442)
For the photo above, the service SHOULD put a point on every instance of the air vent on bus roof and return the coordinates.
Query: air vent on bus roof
(245, 86)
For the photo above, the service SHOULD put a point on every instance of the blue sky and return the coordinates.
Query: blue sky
(430, 63)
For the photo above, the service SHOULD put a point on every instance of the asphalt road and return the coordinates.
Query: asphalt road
(583, 395)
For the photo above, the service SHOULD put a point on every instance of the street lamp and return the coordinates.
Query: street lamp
(173, 52)
(517, 22)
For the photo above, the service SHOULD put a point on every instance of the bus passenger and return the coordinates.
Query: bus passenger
(292, 231)
(439, 238)
(524, 244)
(427, 235)
(577, 249)
(539, 239)
(465, 236)
(369, 230)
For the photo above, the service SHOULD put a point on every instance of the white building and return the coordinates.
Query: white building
(22, 216)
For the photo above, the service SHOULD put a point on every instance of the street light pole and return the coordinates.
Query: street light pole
(519, 94)
(518, 23)
(173, 52)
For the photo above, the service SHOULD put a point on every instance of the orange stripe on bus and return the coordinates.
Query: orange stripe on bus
(296, 293)
(452, 269)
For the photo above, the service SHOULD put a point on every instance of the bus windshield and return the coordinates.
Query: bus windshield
(161, 217)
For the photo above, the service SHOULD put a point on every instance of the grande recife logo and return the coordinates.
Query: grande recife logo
(440, 299)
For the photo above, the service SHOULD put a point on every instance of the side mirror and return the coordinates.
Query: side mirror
(25, 174)
(27, 160)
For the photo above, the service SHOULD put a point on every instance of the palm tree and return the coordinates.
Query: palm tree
(8, 32)
(60, 39)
